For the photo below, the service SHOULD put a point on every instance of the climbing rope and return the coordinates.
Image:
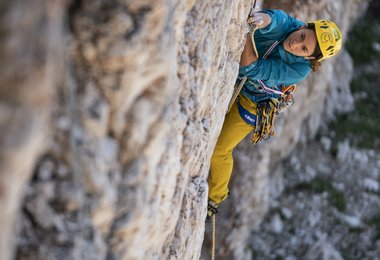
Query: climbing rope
(213, 238)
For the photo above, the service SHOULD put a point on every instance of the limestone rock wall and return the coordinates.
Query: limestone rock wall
(31, 55)
(120, 157)
(109, 113)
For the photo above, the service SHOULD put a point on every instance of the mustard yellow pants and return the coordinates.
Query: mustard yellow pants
(233, 132)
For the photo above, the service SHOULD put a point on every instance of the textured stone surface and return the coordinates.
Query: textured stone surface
(28, 75)
(112, 108)
(135, 116)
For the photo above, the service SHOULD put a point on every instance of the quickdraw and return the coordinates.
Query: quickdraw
(266, 112)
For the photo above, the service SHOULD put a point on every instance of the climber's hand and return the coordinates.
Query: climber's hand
(259, 20)
(255, 21)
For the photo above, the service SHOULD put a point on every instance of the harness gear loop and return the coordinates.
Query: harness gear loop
(266, 112)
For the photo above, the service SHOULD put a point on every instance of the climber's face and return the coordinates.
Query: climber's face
(301, 42)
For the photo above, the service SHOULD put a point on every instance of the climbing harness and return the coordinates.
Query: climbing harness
(247, 116)
(266, 111)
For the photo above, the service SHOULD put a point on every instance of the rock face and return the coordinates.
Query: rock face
(115, 138)
(28, 75)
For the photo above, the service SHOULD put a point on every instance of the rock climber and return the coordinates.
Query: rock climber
(284, 52)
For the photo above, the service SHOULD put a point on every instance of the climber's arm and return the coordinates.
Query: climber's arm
(260, 21)
(248, 55)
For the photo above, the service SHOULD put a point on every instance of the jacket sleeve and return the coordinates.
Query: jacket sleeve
(275, 71)
(280, 21)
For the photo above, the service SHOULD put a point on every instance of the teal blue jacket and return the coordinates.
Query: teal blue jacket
(280, 67)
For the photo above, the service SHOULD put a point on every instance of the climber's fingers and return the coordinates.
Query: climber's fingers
(255, 21)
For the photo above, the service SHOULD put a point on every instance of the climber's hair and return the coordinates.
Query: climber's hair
(317, 54)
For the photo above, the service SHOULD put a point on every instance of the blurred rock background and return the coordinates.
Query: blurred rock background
(110, 110)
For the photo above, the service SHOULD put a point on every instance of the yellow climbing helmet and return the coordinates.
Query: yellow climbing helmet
(329, 38)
